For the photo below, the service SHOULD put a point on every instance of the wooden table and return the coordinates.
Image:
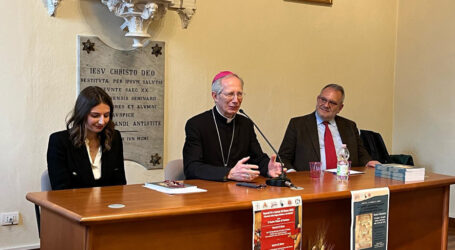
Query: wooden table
(222, 217)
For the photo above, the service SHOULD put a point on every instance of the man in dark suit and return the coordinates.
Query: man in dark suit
(319, 135)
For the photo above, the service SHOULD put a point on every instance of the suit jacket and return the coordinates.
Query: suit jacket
(301, 142)
(70, 167)
(202, 155)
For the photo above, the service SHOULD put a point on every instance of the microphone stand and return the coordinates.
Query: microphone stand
(282, 180)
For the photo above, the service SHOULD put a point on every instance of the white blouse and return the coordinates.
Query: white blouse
(96, 164)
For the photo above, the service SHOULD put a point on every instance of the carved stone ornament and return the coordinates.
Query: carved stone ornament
(186, 10)
(185, 16)
(138, 14)
(52, 6)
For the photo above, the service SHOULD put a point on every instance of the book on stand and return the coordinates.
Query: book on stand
(173, 187)
(399, 172)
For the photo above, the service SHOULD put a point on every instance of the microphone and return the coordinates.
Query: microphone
(282, 180)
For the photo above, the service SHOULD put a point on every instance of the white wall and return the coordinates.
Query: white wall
(284, 50)
(425, 83)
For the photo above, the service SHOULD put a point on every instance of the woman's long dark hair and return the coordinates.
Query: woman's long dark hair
(87, 99)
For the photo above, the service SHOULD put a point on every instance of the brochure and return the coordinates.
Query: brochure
(173, 187)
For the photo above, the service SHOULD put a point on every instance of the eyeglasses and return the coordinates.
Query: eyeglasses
(324, 100)
(231, 95)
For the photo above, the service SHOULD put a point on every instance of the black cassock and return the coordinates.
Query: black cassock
(202, 156)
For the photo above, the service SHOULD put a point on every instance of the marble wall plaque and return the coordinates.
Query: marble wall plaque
(135, 81)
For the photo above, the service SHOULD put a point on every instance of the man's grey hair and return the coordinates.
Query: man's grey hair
(337, 88)
(218, 88)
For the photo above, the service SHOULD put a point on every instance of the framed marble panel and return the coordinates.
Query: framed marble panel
(135, 81)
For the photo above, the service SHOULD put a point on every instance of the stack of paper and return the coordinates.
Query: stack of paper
(400, 172)
(164, 187)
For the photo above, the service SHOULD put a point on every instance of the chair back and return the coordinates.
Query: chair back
(45, 186)
(45, 181)
(375, 146)
(174, 170)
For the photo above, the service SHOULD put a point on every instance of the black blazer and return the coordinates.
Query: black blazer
(70, 167)
(301, 142)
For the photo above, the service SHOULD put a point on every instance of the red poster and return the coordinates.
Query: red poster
(277, 223)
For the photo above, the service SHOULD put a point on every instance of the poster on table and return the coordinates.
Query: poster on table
(370, 218)
(277, 223)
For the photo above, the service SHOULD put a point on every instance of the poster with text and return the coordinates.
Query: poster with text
(370, 218)
(277, 223)
(134, 79)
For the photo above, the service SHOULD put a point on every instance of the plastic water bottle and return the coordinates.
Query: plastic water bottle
(343, 163)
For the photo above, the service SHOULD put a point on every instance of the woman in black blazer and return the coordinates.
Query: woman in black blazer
(89, 153)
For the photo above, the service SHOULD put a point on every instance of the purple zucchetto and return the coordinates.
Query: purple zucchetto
(221, 75)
